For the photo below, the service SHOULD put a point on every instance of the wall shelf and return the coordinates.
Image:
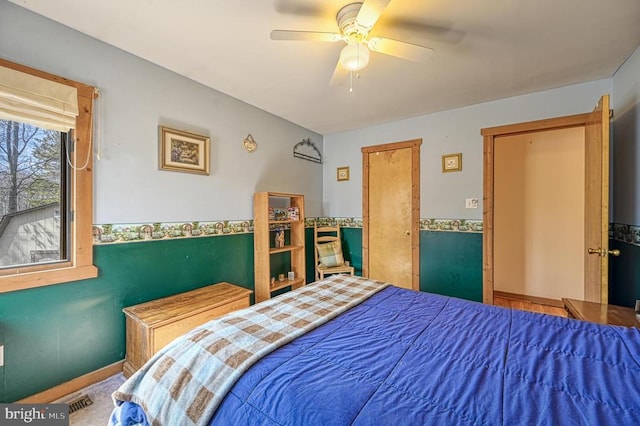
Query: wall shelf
(284, 249)
(298, 282)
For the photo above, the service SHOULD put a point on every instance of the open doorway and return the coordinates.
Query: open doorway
(539, 214)
(594, 152)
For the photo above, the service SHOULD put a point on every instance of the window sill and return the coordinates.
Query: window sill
(42, 278)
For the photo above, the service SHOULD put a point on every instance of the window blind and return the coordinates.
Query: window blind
(37, 101)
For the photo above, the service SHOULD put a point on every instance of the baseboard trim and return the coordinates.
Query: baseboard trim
(533, 299)
(74, 385)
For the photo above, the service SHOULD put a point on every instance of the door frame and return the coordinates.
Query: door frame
(490, 134)
(414, 145)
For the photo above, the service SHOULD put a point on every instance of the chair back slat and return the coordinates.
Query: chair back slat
(326, 239)
(324, 229)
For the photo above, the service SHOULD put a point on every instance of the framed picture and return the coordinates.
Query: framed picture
(181, 151)
(343, 173)
(452, 162)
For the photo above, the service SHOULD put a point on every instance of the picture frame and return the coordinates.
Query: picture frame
(182, 151)
(452, 162)
(343, 173)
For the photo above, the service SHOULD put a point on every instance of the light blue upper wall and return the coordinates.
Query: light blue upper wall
(626, 85)
(626, 143)
(137, 96)
(458, 130)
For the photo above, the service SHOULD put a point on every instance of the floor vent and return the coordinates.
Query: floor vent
(80, 403)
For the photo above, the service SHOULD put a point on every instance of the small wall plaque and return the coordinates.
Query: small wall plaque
(452, 163)
(343, 173)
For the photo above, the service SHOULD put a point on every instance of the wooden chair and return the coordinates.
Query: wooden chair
(328, 248)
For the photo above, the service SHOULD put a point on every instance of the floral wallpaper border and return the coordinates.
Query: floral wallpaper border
(124, 233)
(626, 233)
(127, 233)
(455, 225)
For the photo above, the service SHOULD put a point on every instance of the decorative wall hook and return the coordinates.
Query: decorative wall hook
(315, 157)
(249, 144)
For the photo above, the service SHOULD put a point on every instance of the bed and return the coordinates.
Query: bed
(358, 351)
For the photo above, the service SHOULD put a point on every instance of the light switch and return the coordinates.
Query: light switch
(471, 203)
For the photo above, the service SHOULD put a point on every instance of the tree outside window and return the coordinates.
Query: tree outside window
(32, 224)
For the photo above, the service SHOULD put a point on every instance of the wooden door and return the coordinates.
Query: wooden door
(596, 126)
(391, 213)
(597, 204)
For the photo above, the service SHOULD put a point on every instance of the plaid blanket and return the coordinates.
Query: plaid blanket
(185, 382)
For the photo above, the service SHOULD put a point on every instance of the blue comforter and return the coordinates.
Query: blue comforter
(404, 357)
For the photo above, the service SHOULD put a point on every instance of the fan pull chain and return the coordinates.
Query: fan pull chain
(351, 80)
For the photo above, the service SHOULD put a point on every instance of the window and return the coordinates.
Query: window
(33, 194)
(45, 179)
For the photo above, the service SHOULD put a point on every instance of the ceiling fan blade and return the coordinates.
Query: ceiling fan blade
(296, 7)
(440, 31)
(400, 49)
(370, 12)
(339, 76)
(304, 36)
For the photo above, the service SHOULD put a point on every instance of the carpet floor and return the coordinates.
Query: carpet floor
(96, 414)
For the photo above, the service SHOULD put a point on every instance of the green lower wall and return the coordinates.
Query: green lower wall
(624, 274)
(451, 264)
(56, 333)
(352, 247)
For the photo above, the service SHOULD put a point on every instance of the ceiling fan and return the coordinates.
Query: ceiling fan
(355, 22)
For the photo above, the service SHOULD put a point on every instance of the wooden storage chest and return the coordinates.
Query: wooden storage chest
(151, 325)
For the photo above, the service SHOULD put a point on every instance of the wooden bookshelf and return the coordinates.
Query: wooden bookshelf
(264, 244)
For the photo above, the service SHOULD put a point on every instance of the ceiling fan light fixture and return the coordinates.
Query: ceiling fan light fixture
(354, 56)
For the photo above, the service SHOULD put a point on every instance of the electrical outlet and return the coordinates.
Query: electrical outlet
(471, 203)
(1, 355)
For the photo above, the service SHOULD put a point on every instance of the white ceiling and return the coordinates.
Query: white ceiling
(484, 50)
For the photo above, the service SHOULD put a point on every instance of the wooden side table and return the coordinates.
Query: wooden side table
(151, 325)
(601, 313)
